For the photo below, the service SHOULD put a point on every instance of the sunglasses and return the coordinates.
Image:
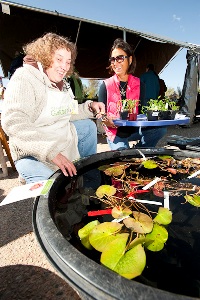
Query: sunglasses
(119, 59)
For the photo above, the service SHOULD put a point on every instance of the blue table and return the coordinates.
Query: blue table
(145, 123)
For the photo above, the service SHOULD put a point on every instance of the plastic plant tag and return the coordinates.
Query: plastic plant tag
(119, 220)
(166, 199)
(179, 116)
(47, 187)
(194, 174)
(146, 187)
(148, 201)
(155, 113)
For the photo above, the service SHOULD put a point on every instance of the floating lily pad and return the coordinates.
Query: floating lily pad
(149, 164)
(132, 263)
(103, 168)
(114, 251)
(193, 200)
(141, 223)
(159, 235)
(115, 170)
(165, 157)
(128, 264)
(139, 240)
(164, 216)
(103, 234)
(105, 190)
(84, 232)
(119, 212)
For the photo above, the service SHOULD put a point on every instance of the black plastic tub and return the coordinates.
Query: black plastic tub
(176, 270)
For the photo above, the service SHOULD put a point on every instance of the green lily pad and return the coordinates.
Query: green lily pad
(132, 263)
(115, 170)
(103, 168)
(141, 223)
(193, 200)
(159, 235)
(137, 241)
(164, 216)
(113, 252)
(149, 164)
(129, 264)
(164, 157)
(84, 232)
(103, 234)
(105, 190)
(119, 212)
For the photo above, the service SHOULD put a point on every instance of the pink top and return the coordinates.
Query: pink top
(113, 98)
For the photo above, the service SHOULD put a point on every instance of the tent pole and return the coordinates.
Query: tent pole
(137, 45)
(124, 35)
(79, 26)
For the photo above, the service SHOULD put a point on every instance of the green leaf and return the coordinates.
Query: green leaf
(164, 216)
(103, 234)
(119, 212)
(104, 167)
(138, 240)
(163, 157)
(159, 235)
(115, 171)
(105, 190)
(149, 164)
(193, 200)
(84, 232)
(114, 251)
(141, 223)
(132, 263)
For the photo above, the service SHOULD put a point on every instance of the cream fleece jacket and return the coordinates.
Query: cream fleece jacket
(24, 100)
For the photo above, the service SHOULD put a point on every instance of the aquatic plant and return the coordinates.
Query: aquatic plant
(134, 228)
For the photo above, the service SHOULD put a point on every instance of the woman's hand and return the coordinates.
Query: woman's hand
(66, 166)
(109, 122)
(98, 108)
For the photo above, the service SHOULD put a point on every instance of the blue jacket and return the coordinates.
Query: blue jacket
(152, 86)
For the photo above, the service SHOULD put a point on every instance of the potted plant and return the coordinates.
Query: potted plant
(160, 109)
(128, 109)
(173, 108)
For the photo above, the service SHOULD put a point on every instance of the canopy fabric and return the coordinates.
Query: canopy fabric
(93, 39)
(191, 84)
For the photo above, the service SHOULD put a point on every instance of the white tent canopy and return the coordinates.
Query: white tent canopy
(21, 24)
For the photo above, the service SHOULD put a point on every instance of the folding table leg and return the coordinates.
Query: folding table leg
(6, 147)
(3, 162)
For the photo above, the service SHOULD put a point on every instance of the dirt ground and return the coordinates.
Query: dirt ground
(25, 272)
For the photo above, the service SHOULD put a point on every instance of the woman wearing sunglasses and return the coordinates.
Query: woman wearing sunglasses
(123, 85)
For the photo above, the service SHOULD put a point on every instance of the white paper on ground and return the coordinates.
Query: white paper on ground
(27, 191)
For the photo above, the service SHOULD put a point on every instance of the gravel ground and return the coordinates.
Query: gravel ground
(25, 272)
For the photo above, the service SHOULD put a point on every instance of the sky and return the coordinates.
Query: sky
(174, 19)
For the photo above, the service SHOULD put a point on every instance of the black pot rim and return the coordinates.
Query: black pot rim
(84, 275)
